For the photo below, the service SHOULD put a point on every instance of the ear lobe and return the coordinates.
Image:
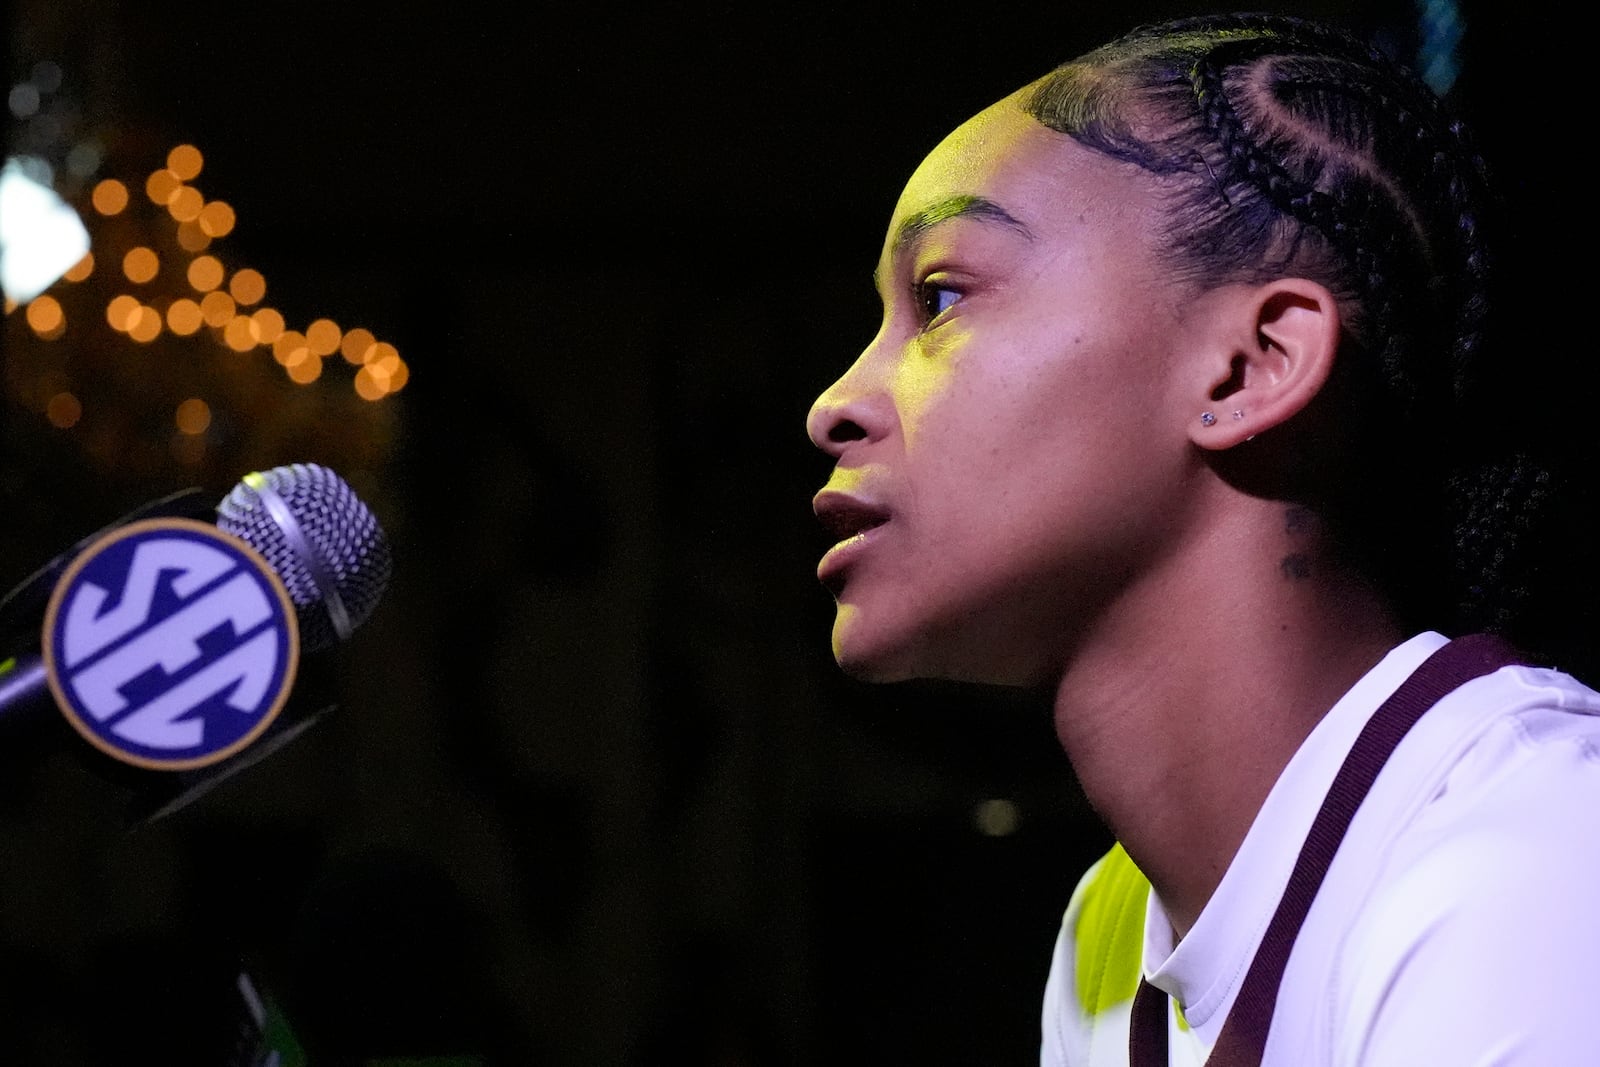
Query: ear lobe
(1286, 336)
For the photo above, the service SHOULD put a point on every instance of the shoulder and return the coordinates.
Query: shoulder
(1098, 956)
(1476, 936)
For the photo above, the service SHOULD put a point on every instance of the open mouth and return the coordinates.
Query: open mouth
(845, 517)
(849, 520)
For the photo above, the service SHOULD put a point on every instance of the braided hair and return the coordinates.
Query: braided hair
(1290, 147)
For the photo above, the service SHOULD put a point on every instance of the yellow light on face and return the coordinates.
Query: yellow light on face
(160, 186)
(355, 345)
(193, 416)
(81, 269)
(109, 197)
(46, 317)
(185, 161)
(191, 238)
(216, 219)
(205, 273)
(324, 336)
(63, 410)
(145, 325)
(186, 203)
(121, 311)
(140, 264)
(217, 308)
(247, 286)
(183, 317)
(267, 324)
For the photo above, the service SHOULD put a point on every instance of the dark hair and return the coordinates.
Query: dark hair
(1290, 147)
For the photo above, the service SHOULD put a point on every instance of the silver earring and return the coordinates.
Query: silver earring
(1207, 419)
(1237, 414)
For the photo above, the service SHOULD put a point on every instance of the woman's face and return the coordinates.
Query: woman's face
(1011, 447)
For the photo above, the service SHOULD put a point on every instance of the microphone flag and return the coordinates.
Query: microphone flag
(170, 644)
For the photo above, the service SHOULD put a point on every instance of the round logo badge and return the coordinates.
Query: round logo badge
(170, 644)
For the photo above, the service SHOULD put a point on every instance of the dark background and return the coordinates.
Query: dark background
(594, 792)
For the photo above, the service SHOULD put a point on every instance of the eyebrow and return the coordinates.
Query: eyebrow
(961, 206)
(964, 206)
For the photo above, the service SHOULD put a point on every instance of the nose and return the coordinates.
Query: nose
(851, 409)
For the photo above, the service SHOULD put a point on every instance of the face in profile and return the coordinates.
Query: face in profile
(1009, 447)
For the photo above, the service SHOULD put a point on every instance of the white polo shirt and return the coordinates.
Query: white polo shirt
(1458, 926)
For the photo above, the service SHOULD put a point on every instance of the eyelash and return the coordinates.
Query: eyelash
(921, 291)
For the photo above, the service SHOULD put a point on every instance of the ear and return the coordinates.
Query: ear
(1276, 346)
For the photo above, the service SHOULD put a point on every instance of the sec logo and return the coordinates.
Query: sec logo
(170, 644)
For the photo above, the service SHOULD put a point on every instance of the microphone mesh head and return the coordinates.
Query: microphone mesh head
(337, 528)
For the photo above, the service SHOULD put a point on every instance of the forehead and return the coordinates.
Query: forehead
(1048, 181)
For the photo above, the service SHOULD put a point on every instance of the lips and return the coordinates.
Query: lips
(851, 520)
(844, 516)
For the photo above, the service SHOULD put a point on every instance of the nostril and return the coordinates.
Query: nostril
(843, 431)
(830, 429)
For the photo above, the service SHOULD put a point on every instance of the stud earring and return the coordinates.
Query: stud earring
(1207, 419)
(1237, 414)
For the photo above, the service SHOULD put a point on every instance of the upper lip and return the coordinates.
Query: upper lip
(844, 515)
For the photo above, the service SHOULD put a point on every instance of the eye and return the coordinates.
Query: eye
(934, 299)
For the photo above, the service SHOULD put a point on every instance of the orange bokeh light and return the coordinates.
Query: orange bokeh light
(186, 203)
(185, 161)
(192, 416)
(160, 186)
(140, 264)
(305, 371)
(247, 286)
(368, 386)
(217, 308)
(63, 410)
(109, 197)
(239, 334)
(144, 325)
(267, 325)
(324, 336)
(183, 317)
(217, 219)
(81, 269)
(356, 344)
(120, 312)
(291, 348)
(45, 315)
(205, 273)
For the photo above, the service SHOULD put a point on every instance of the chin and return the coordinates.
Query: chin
(870, 655)
(885, 653)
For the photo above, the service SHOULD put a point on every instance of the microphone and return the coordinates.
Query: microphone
(172, 643)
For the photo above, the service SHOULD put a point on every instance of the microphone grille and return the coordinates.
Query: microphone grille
(335, 527)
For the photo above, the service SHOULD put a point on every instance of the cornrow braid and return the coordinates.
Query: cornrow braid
(1341, 220)
(1291, 147)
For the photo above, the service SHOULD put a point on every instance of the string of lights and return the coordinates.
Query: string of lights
(200, 293)
(160, 346)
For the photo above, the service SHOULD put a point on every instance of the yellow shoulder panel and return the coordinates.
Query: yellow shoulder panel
(1109, 937)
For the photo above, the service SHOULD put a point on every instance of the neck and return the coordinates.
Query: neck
(1179, 722)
